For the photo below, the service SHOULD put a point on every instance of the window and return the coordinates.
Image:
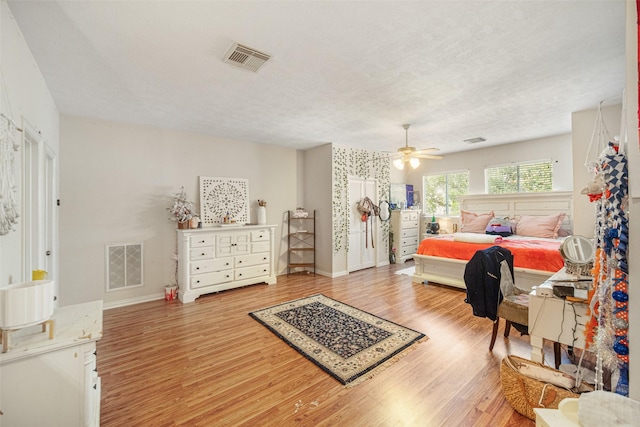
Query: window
(529, 177)
(441, 192)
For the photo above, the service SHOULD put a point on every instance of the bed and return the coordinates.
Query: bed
(450, 271)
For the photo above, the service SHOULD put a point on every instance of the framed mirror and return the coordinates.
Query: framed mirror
(578, 253)
(385, 212)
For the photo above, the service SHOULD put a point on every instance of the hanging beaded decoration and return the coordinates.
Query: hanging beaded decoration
(607, 328)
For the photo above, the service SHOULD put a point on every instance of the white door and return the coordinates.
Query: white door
(361, 250)
(50, 218)
(39, 206)
(32, 203)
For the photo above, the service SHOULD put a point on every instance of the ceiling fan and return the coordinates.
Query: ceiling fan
(410, 155)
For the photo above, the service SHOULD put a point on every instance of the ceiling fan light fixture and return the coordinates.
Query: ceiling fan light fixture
(398, 163)
(414, 162)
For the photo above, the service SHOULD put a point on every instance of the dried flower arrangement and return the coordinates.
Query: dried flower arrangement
(182, 210)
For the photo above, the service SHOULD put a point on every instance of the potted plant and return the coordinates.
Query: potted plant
(182, 210)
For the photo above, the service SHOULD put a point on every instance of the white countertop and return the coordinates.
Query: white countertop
(562, 278)
(224, 227)
(73, 325)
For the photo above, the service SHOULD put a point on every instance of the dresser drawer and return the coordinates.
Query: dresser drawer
(408, 250)
(409, 216)
(410, 232)
(209, 279)
(254, 259)
(409, 241)
(260, 236)
(209, 265)
(199, 241)
(251, 272)
(201, 253)
(260, 247)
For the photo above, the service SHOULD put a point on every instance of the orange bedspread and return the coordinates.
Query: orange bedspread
(533, 254)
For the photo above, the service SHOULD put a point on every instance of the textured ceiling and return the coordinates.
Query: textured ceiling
(345, 72)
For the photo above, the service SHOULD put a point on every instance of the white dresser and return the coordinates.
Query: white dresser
(405, 225)
(219, 258)
(53, 382)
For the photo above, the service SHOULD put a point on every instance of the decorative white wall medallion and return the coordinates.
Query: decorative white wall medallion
(222, 196)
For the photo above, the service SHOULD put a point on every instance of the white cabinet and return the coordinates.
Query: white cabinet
(220, 258)
(53, 382)
(405, 228)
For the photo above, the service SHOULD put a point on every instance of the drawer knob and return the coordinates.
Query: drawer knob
(239, 262)
(239, 274)
(197, 268)
(203, 253)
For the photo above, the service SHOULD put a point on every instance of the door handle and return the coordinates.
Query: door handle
(47, 253)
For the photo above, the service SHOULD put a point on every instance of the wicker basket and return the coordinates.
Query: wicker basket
(524, 393)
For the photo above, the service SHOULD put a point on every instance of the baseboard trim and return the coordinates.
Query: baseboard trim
(132, 301)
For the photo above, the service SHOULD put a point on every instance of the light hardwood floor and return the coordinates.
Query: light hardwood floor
(209, 364)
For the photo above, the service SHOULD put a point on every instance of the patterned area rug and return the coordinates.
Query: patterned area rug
(347, 343)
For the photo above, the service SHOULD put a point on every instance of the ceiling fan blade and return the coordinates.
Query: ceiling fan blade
(426, 150)
(393, 155)
(428, 156)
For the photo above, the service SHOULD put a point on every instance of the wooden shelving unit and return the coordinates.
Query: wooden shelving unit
(301, 237)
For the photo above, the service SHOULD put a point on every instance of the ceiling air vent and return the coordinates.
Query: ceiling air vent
(475, 140)
(245, 57)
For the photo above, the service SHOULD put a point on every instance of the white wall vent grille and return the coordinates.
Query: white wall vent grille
(245, 57)
(475, 140)
(124, 266)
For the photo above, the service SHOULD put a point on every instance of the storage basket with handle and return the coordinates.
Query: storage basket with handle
(525, 393)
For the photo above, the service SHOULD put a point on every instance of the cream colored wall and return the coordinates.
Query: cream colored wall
(116, 181)
(556, 148)
(24, 98)
(317, 185)
(582, 125)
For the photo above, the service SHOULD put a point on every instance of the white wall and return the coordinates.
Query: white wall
(318, 182)
(582, 125)
(25, 98)
(634, 201)
(557, 148)
(116, 181)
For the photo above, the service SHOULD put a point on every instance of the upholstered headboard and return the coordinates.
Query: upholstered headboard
(515, 205)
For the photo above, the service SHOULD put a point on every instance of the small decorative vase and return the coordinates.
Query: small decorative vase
(262, 215)
(183, 225)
